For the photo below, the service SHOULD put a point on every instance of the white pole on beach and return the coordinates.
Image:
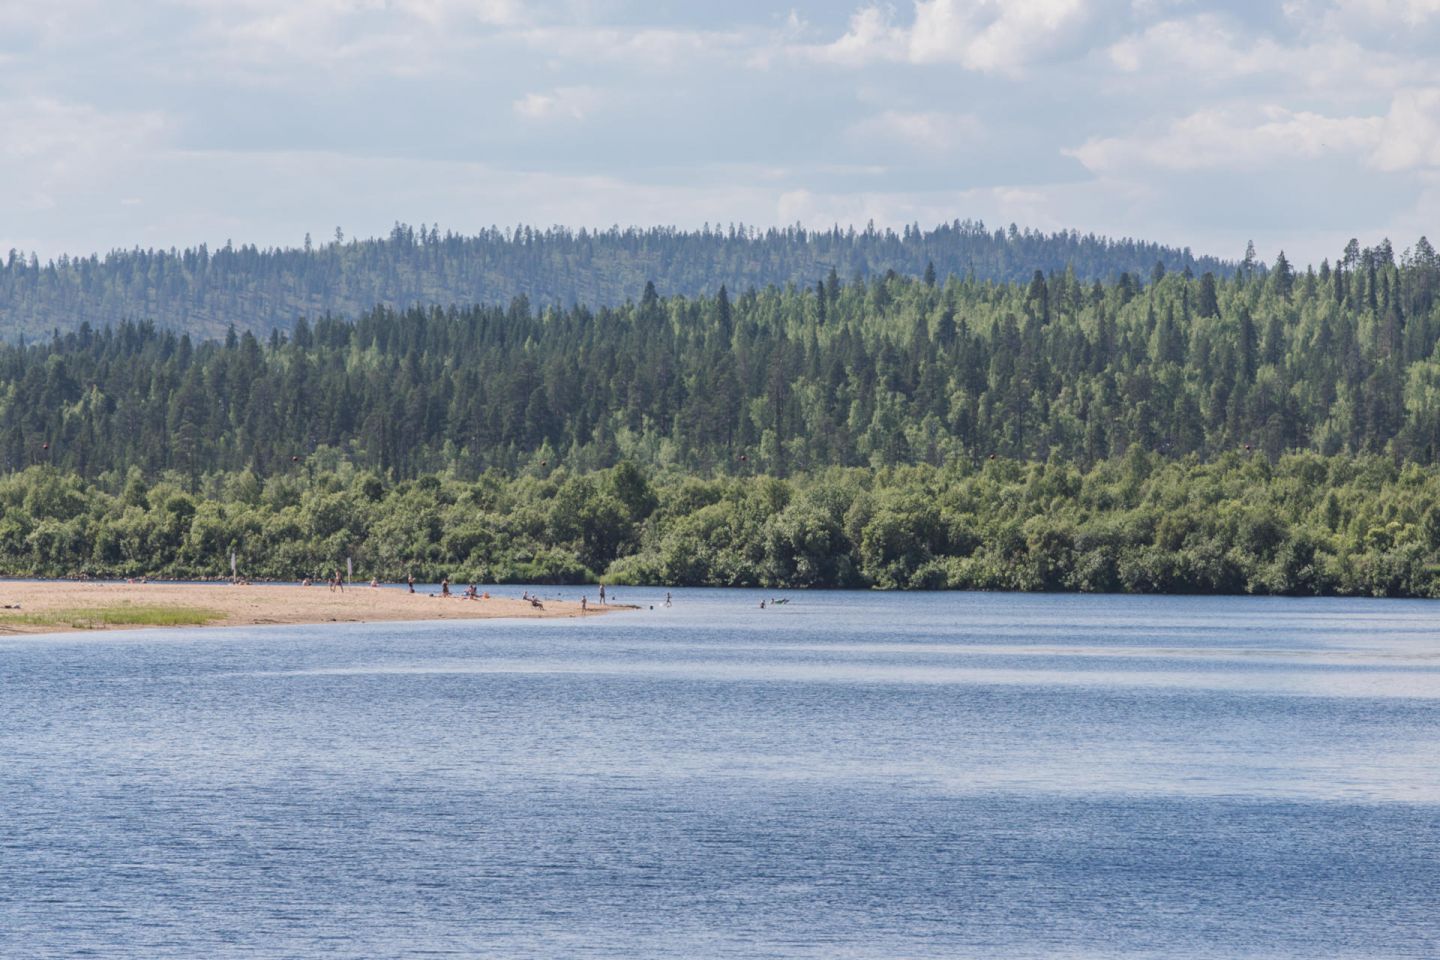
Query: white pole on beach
(233, 573)
(349, 569)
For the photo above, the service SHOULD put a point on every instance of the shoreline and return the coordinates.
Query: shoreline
(65, 606)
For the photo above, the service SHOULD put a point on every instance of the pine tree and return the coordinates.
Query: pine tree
(1209, 304)
(1283, 276)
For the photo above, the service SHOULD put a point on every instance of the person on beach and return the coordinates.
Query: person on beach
(410, 582)
(471, 593)
(339, 580)
(445, 587)
(331, 583)
(374, 584)
(582, 603)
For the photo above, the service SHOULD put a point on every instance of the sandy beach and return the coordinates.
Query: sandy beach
(49, 607)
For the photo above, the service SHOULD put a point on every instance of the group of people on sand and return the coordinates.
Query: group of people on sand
(337, 582)
(585, 598)
(471, 592)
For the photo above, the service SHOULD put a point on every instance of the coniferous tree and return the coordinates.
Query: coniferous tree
(1283, 276)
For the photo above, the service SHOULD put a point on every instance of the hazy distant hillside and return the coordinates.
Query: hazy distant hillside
(203, 291)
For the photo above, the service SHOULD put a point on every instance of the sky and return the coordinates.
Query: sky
(158, 123)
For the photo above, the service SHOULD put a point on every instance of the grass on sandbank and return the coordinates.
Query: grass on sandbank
(115, 615)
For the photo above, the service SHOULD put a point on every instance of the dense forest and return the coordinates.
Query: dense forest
(203, 292)
(889, 372)
(1270, 431)
(1306, 525)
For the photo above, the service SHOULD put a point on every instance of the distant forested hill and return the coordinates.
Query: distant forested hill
(879, 373)
(204, 292)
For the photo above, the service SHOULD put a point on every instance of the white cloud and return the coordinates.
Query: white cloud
(1410, 135)
(393, 36)
(1250, 139)
(871, 36)
(1203, 51)
(998, 36)
(493, 12)
(990, 36)
(563, 103)
(61, 160)
(1363, 15)
(55, 139)
(1232, 138)
(1407, 12)
(645, 48)
(931, 132)
(46, 18)
(1200, 47)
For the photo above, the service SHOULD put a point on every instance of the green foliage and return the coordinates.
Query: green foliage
(892, 371)
(1305, 525)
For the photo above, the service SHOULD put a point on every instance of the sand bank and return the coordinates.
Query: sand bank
(48, 607)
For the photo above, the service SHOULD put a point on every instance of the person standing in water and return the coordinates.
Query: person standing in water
(602, 594)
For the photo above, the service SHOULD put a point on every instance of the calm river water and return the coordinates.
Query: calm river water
(847, 775)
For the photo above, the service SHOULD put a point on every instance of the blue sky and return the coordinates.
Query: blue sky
(1297, 124)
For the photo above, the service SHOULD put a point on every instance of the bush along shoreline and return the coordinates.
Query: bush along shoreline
(1303, 525)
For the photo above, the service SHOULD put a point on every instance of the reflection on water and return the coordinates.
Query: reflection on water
(847, 775)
